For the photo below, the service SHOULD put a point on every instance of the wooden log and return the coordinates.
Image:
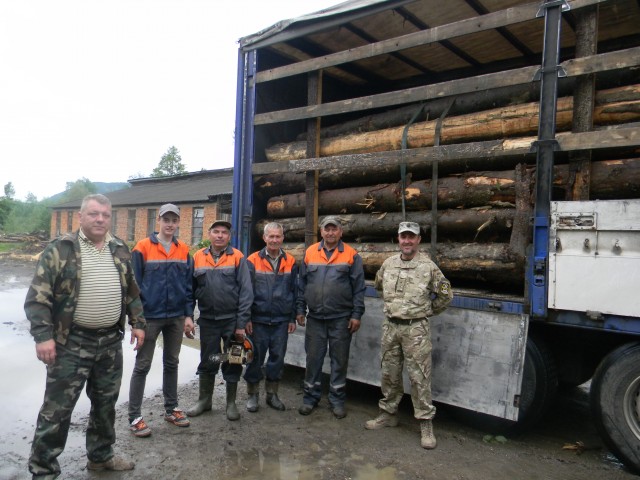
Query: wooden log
(468, 262)
(510, 121)
(477, 223)
(610, 179)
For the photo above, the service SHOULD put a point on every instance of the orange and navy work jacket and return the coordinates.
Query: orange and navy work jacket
(222, 289)
(165, 279)
(274, 291)
(331, 287)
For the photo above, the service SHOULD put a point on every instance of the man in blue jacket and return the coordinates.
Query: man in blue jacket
(164, 270)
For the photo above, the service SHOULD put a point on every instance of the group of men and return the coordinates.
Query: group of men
(88, 283)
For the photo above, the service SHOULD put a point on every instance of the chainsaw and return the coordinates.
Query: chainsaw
(238, 353)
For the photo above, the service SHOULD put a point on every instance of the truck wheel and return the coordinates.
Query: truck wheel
(615, 403)
(539, 383)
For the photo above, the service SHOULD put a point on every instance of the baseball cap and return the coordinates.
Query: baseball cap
(330, 220)
(168, 207)
(220, 222)
(412, 227)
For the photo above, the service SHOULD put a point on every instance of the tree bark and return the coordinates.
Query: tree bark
(510, 121)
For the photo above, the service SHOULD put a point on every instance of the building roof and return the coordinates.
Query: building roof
(189, 188)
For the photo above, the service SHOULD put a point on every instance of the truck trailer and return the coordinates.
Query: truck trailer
(510, 131)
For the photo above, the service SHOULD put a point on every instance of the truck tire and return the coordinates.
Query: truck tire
(615, 403)
(539, 383)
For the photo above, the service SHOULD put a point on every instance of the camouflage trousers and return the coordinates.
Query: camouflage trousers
(93, 358)
(410, 344)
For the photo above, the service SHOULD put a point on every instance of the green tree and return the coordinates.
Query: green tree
(9, 191)
(78, 190)
(27, 217)
(170, 164)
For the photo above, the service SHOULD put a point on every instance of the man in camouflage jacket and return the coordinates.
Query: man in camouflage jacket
(79, 333)
(413, 289)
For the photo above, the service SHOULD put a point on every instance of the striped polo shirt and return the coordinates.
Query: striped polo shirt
(100, 296)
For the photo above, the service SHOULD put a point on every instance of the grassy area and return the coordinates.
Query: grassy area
(10, 247)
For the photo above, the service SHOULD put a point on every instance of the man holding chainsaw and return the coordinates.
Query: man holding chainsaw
(223, 291)
(274, 275)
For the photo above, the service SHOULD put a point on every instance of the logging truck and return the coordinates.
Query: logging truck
(510, 131)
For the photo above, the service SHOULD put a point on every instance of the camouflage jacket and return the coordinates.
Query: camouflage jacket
(53, 294)
(413, 289)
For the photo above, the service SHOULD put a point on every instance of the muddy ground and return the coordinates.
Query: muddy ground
(285, 445)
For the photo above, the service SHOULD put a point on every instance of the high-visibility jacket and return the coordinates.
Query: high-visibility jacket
(274, 291)
(165, 279)
(331, 287)
(223, 290)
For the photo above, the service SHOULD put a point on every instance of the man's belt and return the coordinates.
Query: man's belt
(405, 321)
(95, 331)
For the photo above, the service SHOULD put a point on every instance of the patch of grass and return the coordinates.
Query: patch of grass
(11, 247)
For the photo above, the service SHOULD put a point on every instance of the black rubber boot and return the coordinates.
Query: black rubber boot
(204, 403)
(232, 409)
(272, 396)
(253, 392)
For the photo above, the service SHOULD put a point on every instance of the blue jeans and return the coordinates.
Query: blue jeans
(272, 338)
(336, 334)
(91, 357)
(172, 330)
(211, 332)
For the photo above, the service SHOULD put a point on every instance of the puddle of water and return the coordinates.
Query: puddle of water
(261, 464)
(23, 378)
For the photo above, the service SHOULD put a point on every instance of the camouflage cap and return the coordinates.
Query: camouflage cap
(330, 220)
(412, 227)
(220, 222)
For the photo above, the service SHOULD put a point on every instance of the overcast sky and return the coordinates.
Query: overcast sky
(101, 89)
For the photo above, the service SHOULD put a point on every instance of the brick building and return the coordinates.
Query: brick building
(202, 197)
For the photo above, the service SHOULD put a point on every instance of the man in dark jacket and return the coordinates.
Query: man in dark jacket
(274, 276)
(332, 287)
(222, 288)
(164, 271)
(83, 290)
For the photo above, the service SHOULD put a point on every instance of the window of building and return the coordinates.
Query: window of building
(196, 225)
(58, 222)
(114, 222)
(131, 226)
(69, 221)
(151, 221)
(224, 207)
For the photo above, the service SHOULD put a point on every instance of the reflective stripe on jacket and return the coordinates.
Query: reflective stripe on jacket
(331, 288)
(223, 290)
(165, 279)
(274, 292)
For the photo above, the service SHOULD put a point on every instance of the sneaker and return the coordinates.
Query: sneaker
(383, 420)
(139, 428)
(306, 409)
(177, 417)
(116, 464)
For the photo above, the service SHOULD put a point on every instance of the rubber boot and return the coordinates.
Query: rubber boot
(428, 439)
(253, 392)
(204, 401)
(272, 396)
(232, 409)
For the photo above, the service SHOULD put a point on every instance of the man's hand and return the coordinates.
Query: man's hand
(354, 325)
(300, 319)
(46, 351)
(189, 327)
(239, 334)
(291, 328)
(137, 336)
(249, 328)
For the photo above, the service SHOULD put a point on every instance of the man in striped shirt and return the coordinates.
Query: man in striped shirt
(83, 291)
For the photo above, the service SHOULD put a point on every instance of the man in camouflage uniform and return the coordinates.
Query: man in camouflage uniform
(83, 289)
(413, 289)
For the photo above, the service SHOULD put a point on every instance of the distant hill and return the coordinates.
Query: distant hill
(102, 187)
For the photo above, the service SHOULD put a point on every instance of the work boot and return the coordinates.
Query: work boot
(428, 439)
(385, 419)
(115, 464)
(232, 409)
(253, 391)
(272, 396)
(204, 401)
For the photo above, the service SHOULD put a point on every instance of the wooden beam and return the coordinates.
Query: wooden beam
(575, 67)
(468, 26)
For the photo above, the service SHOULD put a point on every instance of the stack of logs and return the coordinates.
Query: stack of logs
(483, 216)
